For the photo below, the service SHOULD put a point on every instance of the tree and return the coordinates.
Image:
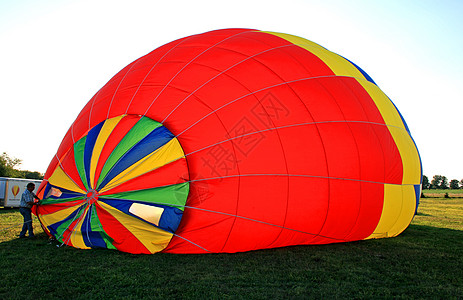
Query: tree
(425, 183)
(31, 175)
(454, 184)
(436, 181)
(461, 183)
(8, 168)
(8, 164)
(444, 184)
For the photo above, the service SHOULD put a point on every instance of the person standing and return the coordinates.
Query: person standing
(27, 201)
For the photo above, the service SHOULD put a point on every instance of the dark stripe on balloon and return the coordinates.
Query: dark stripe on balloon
(88, 150)
(153, 141)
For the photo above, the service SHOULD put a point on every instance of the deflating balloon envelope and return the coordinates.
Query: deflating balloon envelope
(233, 140)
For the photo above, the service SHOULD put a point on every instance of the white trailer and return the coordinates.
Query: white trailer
(11, 190)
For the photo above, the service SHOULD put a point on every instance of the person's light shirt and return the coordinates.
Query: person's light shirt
(26, 197)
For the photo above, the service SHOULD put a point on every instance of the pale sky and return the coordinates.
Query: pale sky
(55, 55)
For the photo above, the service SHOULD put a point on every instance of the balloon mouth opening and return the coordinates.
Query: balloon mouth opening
(139, 169)
(91, 197)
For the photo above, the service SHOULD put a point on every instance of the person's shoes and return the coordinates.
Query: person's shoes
(32, 237)
(22, 236)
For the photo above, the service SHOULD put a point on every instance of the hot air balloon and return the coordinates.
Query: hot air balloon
(228, 141)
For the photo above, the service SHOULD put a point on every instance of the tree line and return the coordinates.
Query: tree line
(441, 182)
(8, 168)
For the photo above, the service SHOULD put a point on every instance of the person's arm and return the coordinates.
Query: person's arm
(31, 202)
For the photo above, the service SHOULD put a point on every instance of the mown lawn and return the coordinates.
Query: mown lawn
(441, 193)
(426, 261)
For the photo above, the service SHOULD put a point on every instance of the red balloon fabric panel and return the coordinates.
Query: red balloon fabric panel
(278, 142)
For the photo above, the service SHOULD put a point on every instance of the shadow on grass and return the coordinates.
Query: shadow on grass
(423, 214)
(422, 262)
(8, 210)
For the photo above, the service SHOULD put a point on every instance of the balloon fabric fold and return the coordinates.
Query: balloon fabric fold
(232, 140)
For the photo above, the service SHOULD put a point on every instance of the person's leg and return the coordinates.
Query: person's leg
(29, 222)
(24, 229)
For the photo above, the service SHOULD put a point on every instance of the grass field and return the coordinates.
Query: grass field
(425, 261)
(441, 193)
